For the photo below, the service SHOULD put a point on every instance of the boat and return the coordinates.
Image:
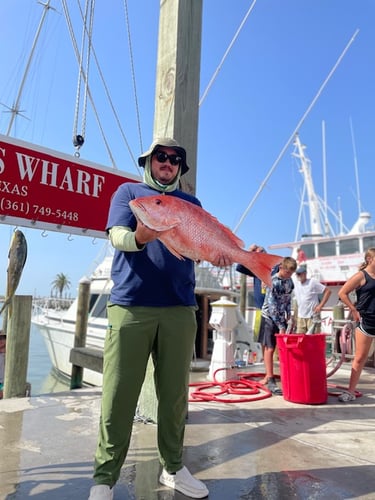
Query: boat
(330, 257)
(58, 327)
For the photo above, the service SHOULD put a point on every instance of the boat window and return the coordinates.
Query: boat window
(93, 299)
(98, 305)
(327, 248)
(368, 242)
(309, 250)
(349, 246)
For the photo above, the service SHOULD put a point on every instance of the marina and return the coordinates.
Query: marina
(266, 448)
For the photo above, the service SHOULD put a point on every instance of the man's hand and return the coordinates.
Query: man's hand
(144, 234)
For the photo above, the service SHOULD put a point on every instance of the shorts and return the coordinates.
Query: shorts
(267, 331)
(304, 325)
(367, 327)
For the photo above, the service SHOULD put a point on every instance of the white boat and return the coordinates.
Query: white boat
(331, 258)
(58, 327)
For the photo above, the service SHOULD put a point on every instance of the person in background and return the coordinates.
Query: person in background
(363, 311)
(301, 256)
(151, 312)
(307, 292)
(276, 312)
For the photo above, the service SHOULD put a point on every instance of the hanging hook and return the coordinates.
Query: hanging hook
(70, 238)
(44, 234)
(78, 141)
(94, 241)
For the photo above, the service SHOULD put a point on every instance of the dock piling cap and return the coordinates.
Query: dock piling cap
(223, 302)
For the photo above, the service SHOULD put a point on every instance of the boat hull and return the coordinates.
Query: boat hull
(58, 336)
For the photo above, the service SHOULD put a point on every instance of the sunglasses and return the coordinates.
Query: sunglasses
(162, 157)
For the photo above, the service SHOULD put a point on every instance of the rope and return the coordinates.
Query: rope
(84, 112)
(75, 47)
(133, 74)
(79, 139)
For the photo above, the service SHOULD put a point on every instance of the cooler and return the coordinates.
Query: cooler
(303, 367)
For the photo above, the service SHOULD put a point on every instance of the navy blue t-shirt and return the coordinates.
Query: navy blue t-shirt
(153, 276)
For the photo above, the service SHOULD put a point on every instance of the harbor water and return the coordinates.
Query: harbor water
(40, 373)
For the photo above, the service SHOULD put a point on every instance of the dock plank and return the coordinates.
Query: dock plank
(87, 357)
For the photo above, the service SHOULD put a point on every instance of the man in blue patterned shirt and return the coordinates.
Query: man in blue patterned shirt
(276, 312)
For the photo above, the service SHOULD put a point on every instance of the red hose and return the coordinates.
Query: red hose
(242, 386)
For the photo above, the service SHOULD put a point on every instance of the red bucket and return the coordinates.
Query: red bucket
(303, 367)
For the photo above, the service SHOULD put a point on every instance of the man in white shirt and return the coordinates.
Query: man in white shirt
(307, 292)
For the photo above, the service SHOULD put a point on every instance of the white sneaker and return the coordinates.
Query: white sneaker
(185, 483)
(101, 492)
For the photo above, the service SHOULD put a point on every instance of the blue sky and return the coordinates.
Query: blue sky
(283, 54)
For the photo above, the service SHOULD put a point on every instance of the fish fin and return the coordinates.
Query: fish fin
(261, 265)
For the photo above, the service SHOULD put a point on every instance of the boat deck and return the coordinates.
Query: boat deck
(270, 448)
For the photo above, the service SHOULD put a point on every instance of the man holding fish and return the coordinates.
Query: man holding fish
(158, 231)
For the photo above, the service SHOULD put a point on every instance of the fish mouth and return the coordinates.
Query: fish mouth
(136, 206)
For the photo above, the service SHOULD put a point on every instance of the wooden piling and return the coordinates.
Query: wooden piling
(81, 329)
(17, 348)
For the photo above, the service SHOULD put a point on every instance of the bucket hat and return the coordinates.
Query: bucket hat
(167, 142)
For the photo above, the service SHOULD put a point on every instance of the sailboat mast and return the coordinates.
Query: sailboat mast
(313, 202)
(15, 108)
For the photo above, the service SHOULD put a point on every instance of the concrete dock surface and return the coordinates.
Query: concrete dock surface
(268, 448)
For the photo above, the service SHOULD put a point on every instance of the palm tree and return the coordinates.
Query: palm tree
(60, 283)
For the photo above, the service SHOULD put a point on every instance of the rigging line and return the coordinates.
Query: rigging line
(86, 33)
(115, 114)
(79, 80)
(131, 57)
(89, 45)
(226, 54)
(287, 144)
(75, 47)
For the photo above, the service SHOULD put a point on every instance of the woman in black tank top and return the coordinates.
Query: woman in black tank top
(363, 283)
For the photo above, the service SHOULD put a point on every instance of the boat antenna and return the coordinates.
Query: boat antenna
(355, 167)
(293, 134)
(324, 159)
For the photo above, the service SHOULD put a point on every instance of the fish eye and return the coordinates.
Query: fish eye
(158, 201)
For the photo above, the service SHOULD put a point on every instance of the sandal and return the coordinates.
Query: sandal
(346, 397)
(272, 386)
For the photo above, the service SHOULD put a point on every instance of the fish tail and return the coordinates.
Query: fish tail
(261, 265)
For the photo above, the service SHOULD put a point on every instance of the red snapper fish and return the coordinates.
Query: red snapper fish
(187, 230)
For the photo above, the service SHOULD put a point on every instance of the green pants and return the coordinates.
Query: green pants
(133, 333)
